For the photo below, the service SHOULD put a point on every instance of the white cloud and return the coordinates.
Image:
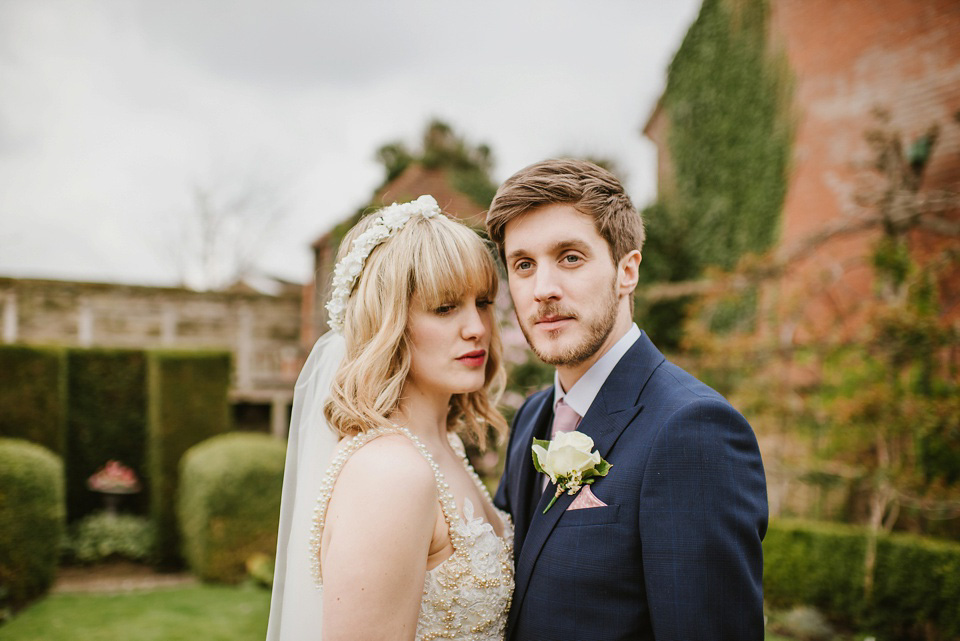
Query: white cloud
(111, 110)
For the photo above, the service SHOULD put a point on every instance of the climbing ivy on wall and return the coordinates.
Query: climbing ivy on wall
(729, 138)
(729, 134)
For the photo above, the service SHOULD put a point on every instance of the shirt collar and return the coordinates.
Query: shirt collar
(584, 391)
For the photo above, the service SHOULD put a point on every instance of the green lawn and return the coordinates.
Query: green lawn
(203, 612)
(207, 612)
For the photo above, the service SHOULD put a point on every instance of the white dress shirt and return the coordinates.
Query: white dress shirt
(581, 395)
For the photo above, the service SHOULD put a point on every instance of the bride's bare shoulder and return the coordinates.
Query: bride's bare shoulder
(388, 465)
(383, 511)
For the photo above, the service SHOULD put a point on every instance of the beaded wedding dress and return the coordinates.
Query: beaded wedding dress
(467, 596)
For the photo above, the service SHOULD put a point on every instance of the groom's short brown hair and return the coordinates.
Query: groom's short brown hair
(587, 187)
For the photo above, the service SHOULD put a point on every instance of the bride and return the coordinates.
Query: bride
(386, 532)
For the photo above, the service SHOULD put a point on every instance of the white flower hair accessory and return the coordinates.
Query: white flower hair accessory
(345, 275)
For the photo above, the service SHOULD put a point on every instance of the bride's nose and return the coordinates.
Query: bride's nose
(473, 326)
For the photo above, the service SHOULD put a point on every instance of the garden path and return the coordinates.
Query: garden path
(117, 577)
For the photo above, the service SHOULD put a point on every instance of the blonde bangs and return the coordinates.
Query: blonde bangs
(448, 263)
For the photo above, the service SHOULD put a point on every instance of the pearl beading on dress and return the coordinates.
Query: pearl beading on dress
(468, 595)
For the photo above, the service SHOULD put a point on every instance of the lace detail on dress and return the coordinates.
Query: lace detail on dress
(467, 596)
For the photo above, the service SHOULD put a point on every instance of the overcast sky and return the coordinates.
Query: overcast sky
(111, 110)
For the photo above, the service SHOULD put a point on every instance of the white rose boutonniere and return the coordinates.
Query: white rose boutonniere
(568, 462)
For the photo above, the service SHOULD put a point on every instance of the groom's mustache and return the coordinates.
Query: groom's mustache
(552, 311)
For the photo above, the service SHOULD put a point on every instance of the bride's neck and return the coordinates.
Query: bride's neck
(424, 415)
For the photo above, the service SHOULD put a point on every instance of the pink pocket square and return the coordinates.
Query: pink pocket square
(585, 499)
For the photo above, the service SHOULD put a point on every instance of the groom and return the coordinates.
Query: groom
(666, 546)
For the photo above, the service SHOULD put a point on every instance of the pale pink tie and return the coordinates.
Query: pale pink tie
(565, 419)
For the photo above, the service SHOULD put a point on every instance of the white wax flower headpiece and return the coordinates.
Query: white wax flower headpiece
(345, 275)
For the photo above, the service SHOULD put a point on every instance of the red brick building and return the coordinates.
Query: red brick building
(847, 58)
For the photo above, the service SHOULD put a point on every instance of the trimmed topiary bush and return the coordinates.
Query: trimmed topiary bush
(33, 395)
(229, 503)
(31, 519)
(107, 420)
(916, 582)
(187, 403)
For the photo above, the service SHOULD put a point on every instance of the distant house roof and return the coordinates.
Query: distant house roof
(654, 115)
(417, 180)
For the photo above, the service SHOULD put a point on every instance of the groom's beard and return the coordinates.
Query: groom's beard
(597, 328)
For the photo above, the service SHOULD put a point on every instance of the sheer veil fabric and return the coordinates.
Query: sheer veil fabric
(296, 608)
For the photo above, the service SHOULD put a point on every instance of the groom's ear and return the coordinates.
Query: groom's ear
(628, 272)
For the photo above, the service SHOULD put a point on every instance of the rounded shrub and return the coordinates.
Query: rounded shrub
(32, 515)
(229, 503)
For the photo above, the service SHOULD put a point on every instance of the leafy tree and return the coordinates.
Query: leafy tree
(466, 166)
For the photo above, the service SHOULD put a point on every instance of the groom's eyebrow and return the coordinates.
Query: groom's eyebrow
(556, 248)
(573, 243)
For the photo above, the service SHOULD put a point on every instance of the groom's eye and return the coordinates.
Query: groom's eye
(571, 259)
(523, 265)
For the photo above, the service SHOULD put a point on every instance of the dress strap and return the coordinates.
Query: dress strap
(457, 444)
(447, 503)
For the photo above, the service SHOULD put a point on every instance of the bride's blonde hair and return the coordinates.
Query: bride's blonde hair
(439, 260)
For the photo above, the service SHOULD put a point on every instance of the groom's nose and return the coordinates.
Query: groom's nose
(546, 284)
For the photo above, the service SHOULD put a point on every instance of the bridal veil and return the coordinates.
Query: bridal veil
(296, 604)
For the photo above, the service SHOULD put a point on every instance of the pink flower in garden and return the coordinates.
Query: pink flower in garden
(114, 477)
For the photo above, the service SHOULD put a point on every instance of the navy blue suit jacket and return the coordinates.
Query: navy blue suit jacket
(675, 555)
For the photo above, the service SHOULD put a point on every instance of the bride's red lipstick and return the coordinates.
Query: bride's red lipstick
(475, 358)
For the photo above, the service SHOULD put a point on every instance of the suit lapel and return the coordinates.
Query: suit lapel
(614, 408)
(541, 413)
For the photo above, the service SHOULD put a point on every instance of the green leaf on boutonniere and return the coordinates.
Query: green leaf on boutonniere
(600, 469)
(536, 463)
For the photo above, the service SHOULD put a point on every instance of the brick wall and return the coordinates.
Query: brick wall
(848, 57)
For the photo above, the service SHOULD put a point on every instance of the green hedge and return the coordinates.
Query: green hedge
(229, 503)
(31, 519)
(916, 581)
(187, 403)
(106, 391)
(32, 394)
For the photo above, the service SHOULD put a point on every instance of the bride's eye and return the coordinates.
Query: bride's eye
(442, 310)
(483, 303)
